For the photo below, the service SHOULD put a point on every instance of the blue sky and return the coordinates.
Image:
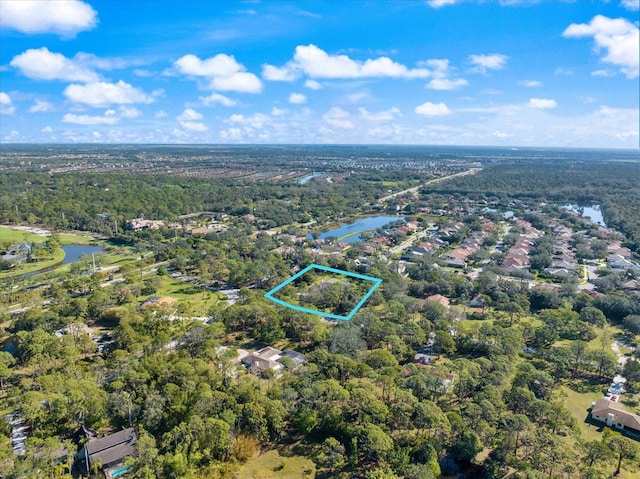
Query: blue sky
(441, 72)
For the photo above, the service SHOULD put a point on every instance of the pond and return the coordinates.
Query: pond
(351, 232)
(592, 212)
(308, 178)
(74, 252)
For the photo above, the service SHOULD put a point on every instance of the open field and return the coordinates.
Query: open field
(272, 465)
(12, 235)
(199, 301)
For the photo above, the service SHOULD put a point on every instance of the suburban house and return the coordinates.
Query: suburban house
(140, 224)
(271, 358)
(18, 253)
(438, 298)
(613, 415)
(108, 451)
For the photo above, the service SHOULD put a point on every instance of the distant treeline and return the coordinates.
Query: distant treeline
(97, 201)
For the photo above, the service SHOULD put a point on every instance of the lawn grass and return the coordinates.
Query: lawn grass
(271, 465)
(13, 235)
(577, 404)
(200, 301)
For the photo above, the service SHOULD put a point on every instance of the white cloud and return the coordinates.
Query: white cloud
(500, 134)
(297, 98)
(6, 106)
(189, 115)
(275, 111)
(432, 109)
(446, 83)
(256, 121)
(387, 115)
(618, 37)
(129, 112)
(41, 64)
(273, 73)
(223, 72)
(530, 83)
(41, 106)
(440, 3)
(109, 118)
(313, 85)
(603, 73)
(542, 103)
(47, 129)
(66, 18)
(104, 94)
(338, 118)
(316, 63)
(217, 98)
(631, 4)
(493, 61)
(161, 114)
(440, 72)
(188, 120)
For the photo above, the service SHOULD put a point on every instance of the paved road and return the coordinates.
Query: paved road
(472, 171)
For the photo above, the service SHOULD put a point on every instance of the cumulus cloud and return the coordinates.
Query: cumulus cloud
(222, 71)
(62, 17)
(273, 73)
(603, 73)
(41, 106)
(530, 83)
(41, 64)
(129, 112)
(6, 105)
(297, 98)
(440, 3)
(217, 98)
(493, 61)
(618, 37)
(542, 103)
(313, 85)
(109, 118)
(256, 121)
(338, 118)
(386, 115)
(631, 4)
(446, 83)
(189, 120)
(432, 109)
(440, 72)
(104, 94)
(47, 129)
(316, 63)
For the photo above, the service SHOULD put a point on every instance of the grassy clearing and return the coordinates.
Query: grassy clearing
(14, 235)
(577, 404)
(272, 465)
(200, 301)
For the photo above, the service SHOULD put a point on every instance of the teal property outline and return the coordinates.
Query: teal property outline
(376, 281)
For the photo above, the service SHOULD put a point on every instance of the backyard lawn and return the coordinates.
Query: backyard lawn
(272, 465)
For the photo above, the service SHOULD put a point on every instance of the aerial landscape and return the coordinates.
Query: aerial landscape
(313, 239)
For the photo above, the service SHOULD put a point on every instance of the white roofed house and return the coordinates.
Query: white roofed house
(270, 358)
(612, 413)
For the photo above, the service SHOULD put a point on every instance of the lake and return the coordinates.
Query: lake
(308, 178)
(75, 251)
(592, 212)
(370, 223)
